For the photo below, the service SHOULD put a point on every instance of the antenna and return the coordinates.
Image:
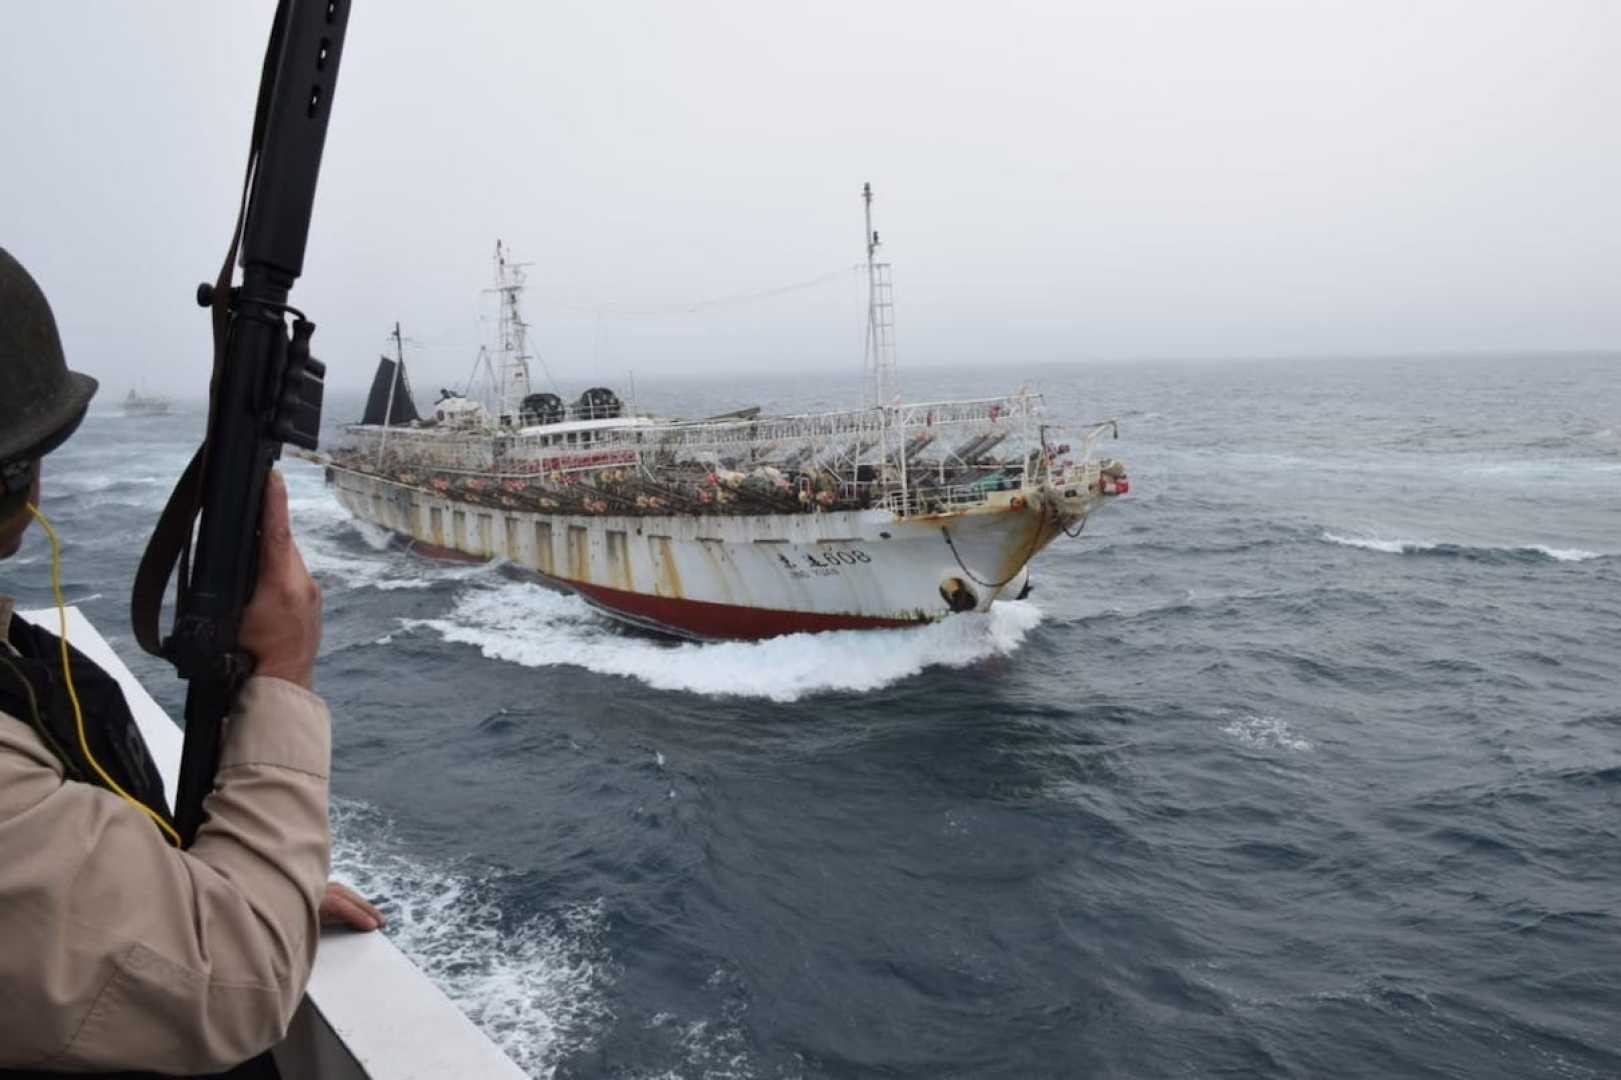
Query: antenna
(872, 237)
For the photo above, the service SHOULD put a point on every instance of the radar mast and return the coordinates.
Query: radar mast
(512, 340)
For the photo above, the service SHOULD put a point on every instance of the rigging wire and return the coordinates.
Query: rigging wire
(693, 306)
(612, 312)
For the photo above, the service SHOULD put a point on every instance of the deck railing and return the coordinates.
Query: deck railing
(481, 450)
(877, 450)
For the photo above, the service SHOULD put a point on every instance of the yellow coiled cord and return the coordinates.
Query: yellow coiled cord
(73, 694)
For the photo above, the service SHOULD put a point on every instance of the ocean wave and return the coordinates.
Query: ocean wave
(715, 1048)
(310, 504)
(1418, 470)
(537, 986)
(1538, 473)
(99, 483)
(529, 625)
(386, 569)
(1466, 551)
(326, 535)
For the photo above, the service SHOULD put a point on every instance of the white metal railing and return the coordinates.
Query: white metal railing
(891, 453)
(933, 500)
(918, 501)
(678, 433)
(824, 433)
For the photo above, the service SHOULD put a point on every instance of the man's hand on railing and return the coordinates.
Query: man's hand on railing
(342, 906)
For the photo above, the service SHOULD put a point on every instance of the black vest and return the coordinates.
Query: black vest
(33, 689)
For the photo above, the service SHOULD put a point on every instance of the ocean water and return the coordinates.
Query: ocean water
(1305, 760)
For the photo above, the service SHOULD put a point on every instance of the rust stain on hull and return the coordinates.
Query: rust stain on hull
(1038, 529)
(545, 560)
(619, 576)
(667, 580)
(1035, 535)
(579, 553)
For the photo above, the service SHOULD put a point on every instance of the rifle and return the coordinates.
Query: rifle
(266, 390)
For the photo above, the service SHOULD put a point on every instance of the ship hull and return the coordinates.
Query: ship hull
(734, 576)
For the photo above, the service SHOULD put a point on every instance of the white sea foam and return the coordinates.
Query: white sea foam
(385, 570)
(537, 986)
(376, 537)
(715, 1048)
(1564, 554)
(528, 625)
(1264, 733)
(1408, 547)
(312, 506)
(90, 483)
(712, 1049)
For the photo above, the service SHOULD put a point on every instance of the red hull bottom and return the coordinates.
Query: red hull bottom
(698, 619)
(712, 622)
(434, 551)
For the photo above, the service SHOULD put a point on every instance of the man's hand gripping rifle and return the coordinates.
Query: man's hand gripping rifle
(265, 391)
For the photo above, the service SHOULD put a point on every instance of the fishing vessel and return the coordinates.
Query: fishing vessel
(139, 404)
(739, 525)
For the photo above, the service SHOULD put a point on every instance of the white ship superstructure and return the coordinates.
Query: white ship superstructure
(739, 526)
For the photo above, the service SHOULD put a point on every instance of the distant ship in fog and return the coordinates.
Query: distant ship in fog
(139, 404)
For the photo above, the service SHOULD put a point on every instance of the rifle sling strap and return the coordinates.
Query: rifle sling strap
(170, 540)
(170, 544)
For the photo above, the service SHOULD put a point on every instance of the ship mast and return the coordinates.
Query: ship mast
(881, 383)
(881, 386)
(393, 384)
(512, 365)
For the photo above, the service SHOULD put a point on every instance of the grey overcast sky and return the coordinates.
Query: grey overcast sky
(1055, 180)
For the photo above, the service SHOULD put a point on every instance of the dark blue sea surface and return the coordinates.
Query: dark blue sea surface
(1304, 760)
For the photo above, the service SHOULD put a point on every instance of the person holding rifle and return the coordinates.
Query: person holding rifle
(119, 949)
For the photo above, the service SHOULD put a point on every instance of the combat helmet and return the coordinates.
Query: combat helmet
(41, 401)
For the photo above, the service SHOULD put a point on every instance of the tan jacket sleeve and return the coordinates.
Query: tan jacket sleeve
(119, 951)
